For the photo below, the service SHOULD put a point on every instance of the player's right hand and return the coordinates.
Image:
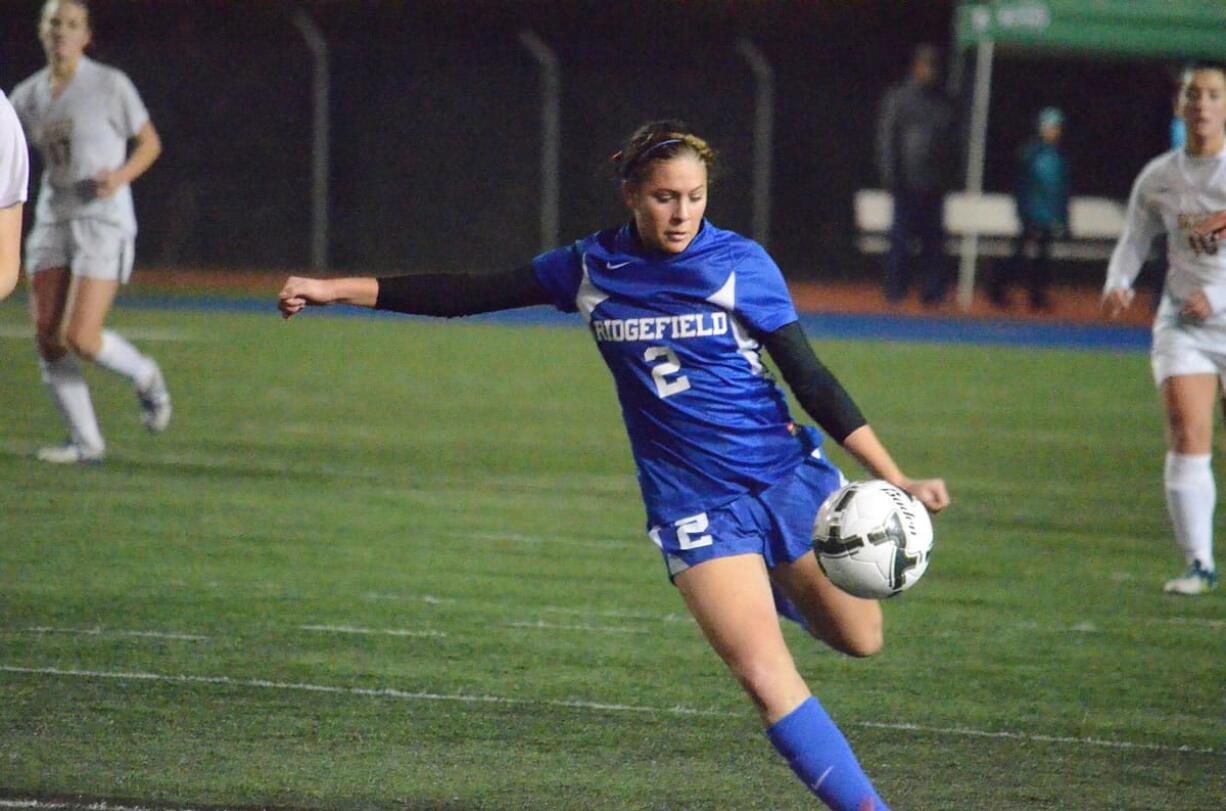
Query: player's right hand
(1204, 236)
(1117, 301)
(299, 292)
(929, 492)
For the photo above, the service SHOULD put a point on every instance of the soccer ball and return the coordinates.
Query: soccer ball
(872, 539)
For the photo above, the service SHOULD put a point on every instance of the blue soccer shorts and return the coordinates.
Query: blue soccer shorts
(776, 523)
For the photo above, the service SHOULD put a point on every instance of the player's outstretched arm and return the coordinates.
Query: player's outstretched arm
(445, 295)
(299, 292)
(863, 444)
(825, 400)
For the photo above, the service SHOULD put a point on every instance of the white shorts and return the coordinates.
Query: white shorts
(1188, 349)
(90, 248)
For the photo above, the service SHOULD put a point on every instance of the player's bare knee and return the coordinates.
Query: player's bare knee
(864, 643)
(861, 639)
(83, 343)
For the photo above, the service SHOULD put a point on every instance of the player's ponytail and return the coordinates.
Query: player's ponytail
(657, 141)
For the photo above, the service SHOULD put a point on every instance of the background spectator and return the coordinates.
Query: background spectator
(916, 158)
(1042, 206)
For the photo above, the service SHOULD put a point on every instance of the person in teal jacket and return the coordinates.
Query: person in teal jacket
(1042, 207)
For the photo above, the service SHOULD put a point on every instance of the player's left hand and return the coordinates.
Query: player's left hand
(106, 183)
(1204, 236)
(930, 492)
(1196, 307)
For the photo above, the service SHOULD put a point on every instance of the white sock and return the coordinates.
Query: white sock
(1191, 495)
(120, 357)
(70, 393)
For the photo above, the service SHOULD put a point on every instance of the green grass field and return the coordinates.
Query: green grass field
(382, 564)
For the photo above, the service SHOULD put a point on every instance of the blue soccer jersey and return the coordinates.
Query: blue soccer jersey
(705, 419)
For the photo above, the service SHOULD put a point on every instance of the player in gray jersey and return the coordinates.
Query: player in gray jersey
(1177, 194)
(14, 183)
(81, 115)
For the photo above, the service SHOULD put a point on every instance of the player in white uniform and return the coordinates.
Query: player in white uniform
(14, 182)
(1177, 193)
(81, 116)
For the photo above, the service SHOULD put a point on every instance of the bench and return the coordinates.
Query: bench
(1095, 224)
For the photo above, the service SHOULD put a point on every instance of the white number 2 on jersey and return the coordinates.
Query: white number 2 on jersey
(661, 371)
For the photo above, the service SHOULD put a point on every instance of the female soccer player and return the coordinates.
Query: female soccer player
(81, 116)
(1177, 192)
(14, 181)
(680, 311)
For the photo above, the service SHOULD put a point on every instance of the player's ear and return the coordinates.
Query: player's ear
(630, 195)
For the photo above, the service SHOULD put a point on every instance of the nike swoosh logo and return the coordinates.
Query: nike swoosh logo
(615, 266)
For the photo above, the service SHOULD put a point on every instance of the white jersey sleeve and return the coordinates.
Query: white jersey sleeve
(131, 111)
(1142, 224)
(14, 157)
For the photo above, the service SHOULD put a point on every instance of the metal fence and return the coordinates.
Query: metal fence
(436, 129)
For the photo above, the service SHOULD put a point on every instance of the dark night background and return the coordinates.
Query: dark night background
(435, 120)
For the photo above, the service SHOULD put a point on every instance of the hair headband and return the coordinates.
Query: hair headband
(643, 155)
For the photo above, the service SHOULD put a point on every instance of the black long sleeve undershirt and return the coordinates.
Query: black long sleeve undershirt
(454, 294)
(449, 295)
(817, 389)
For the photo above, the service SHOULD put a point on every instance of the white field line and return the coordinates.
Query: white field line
(380, 692)
(615, 613)
(517, 537)
(1197, 622)
(428, 599)
(48, 805)
(18, 331)
(350, 629)
(1028, 736)
(442, 489)
(557, 626)
(110, 632)
(388, 692)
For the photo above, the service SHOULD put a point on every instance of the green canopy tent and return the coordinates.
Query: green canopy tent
(1153, 29)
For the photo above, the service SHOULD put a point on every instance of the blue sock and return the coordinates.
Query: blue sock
(821, 757)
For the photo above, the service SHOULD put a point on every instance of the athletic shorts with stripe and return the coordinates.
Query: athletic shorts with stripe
(776, 523)
(88, 247)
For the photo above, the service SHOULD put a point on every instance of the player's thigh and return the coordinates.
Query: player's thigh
(852, 625)
(1190, 401)
(89, 302)
(731, 600)
(101, 251)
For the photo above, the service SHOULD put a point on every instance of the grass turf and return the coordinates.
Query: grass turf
(439, 523)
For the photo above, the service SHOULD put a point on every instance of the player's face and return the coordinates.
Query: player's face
(669, 203)
(64, 31)
(1204, 105)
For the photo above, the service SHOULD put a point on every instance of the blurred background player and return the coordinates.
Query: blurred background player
(1177, 192)
(14, 183)
(81, 116)
(680, 311)
(1042, 197)
(916, 160)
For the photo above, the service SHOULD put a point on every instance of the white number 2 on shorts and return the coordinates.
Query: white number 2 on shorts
(689, 532)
